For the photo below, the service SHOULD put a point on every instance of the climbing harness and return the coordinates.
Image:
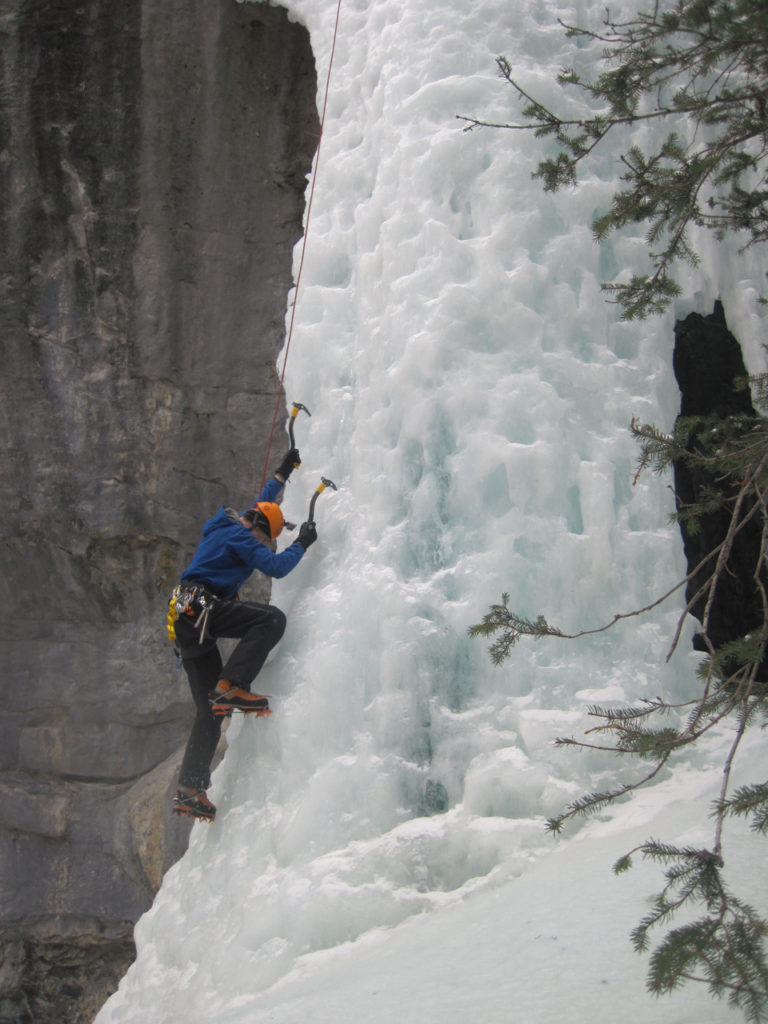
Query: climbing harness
(303, 250)
(190, 600)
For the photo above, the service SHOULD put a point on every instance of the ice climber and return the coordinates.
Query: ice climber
(205, 607)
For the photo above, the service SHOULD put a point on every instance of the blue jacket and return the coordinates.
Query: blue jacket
(228, 553)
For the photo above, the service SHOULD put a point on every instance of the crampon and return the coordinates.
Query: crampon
(235, 699)
(193, 805)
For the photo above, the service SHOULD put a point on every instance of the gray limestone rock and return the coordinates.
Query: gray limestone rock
(153, 159)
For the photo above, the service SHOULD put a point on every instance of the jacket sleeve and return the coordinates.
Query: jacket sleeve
(271, 490)
(256, 555)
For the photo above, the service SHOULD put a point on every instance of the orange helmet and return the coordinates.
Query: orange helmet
(269, 518)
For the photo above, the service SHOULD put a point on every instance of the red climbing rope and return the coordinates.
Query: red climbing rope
(303, 248)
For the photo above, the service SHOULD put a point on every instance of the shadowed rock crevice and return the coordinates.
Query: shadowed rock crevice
(708, 362)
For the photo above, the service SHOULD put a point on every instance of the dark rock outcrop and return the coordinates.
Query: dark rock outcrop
(153, 160)
(707, 363)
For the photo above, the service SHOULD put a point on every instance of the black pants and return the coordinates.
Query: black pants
(258, 627)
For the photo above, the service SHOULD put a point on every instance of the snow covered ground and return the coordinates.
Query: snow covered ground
(379, 850)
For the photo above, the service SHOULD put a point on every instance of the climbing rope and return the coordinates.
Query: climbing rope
(303, 249)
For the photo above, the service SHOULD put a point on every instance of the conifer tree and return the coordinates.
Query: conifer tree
(725, 945)
(699, 68)
(693, 63)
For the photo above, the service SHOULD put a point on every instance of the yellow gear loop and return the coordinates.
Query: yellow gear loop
(173, 613)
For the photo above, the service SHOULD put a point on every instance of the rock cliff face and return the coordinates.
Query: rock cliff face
(153, 159)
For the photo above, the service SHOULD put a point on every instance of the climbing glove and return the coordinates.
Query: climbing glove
(289, 463)
(307, 534)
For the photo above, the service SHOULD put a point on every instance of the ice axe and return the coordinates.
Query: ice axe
(324, 482)
(297, 407)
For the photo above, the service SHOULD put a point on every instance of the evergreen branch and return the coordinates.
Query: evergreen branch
(593, 802)
(722, 551)
(751, 800)
(733, 528)
(727, 770)
(512, 626)
(704, 65)
(515, 626)
(649, 706)
(701, 62)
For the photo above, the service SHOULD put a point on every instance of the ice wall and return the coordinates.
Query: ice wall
(471, 393)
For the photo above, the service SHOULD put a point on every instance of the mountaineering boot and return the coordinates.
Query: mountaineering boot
(227, 698)
(193, 805)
